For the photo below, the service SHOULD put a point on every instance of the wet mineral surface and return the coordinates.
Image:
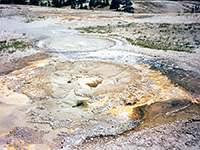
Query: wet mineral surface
(92, 91)
(70, 101)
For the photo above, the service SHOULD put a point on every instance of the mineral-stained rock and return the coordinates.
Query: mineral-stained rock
(101, 99)
(22, 137)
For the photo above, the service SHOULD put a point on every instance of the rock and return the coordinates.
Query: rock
(94, 82)
(59, 102)
(76, 101)
(81, 103)
(41, 107)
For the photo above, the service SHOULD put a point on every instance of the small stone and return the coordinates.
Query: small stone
(69, 120)
(59, 102)
(41, 107)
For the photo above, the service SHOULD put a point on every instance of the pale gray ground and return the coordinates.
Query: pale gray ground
(43, 94)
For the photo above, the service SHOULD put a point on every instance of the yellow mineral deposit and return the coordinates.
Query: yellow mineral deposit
(161, 89)
(28, 147)
(13, 107)
(9, 97)
(38, 63)
(109, 82)
(86, 16)
(38, 146)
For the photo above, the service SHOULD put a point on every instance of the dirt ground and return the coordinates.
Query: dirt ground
(81, 79)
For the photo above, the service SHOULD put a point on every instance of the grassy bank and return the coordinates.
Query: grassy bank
(160, 36)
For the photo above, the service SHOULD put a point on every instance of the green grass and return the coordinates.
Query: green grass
(159, 45)
(164, 25)
(29, 20)
(13, 45)
(97, 29)
(161, 36)
(41, 17)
